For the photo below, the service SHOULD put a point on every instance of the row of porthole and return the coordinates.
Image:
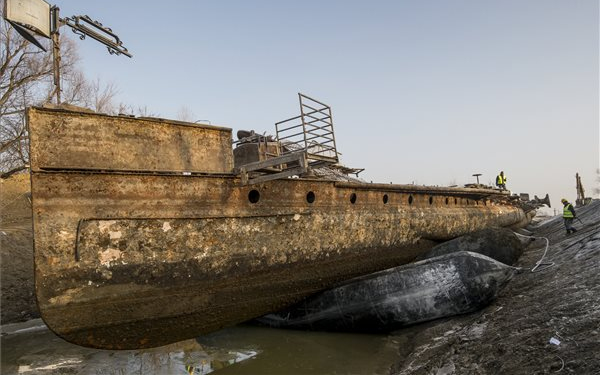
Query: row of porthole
(254, 197)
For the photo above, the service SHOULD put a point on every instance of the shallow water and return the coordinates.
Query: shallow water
(30, 348)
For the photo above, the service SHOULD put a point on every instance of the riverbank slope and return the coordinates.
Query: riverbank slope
(561, 301)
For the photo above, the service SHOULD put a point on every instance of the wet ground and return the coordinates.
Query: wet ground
(30, 348)
(543, 322)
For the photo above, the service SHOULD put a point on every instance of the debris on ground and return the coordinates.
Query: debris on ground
(543, 322)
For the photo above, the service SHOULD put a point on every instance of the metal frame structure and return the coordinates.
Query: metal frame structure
(82, 26)
(304, 142)
(311, 131)
(263, 140)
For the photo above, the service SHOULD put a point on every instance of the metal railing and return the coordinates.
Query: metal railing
(311, 132)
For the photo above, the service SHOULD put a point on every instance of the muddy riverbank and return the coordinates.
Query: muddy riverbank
(512, 336)
(17, 303)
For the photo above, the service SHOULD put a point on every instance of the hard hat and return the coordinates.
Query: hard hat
(564, 200)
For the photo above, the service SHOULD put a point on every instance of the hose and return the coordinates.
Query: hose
(539, 266)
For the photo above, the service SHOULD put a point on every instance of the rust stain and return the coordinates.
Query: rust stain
(165, 256)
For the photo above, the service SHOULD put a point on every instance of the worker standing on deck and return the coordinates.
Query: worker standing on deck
(568, 215)
(501, 181)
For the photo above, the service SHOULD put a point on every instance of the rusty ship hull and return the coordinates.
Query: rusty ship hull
(144, 234)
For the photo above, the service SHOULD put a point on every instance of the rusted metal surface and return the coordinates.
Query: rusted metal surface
(84, 26)
(252, 152)
(293, 164)
(98, 142)
(311, 131)
(132, 260)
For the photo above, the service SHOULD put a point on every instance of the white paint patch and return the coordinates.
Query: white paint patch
(166, 226)
(296, 217)
(66, 297)
(106, 274)
(65, 235)
(200, 256)
(109, 255)
(104, 225)
(114, 235)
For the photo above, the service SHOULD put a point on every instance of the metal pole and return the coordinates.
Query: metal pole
(303, 122)
(55, 37)
(333, 134)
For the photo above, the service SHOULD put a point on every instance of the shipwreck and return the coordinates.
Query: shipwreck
(150, 231)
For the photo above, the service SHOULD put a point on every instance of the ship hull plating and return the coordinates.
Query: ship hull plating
(134, 253)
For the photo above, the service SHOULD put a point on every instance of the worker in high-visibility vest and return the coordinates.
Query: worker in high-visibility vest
(568, 216)
(501, 181)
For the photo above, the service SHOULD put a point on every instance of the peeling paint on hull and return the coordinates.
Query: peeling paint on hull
(140, 258)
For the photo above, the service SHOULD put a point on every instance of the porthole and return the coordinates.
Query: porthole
(253, 196)
(410, 199)
(353, 198)
(310, 197)
(430, 200)
(385, 198)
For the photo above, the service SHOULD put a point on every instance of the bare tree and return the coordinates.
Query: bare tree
(93, 95)
(22, 68)
(102, 96)
(129, 110)
(185, 114)
(26, 79)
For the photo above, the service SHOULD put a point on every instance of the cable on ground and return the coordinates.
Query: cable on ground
(540, 265)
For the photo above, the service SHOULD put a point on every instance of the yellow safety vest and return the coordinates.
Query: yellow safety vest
(500, 180)
(567, 214)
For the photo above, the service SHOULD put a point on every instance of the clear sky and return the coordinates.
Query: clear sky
(428, 92)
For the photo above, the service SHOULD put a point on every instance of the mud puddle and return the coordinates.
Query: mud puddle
(30, 348)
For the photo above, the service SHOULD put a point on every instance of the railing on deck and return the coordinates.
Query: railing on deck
(311, 132)
(303, 143)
